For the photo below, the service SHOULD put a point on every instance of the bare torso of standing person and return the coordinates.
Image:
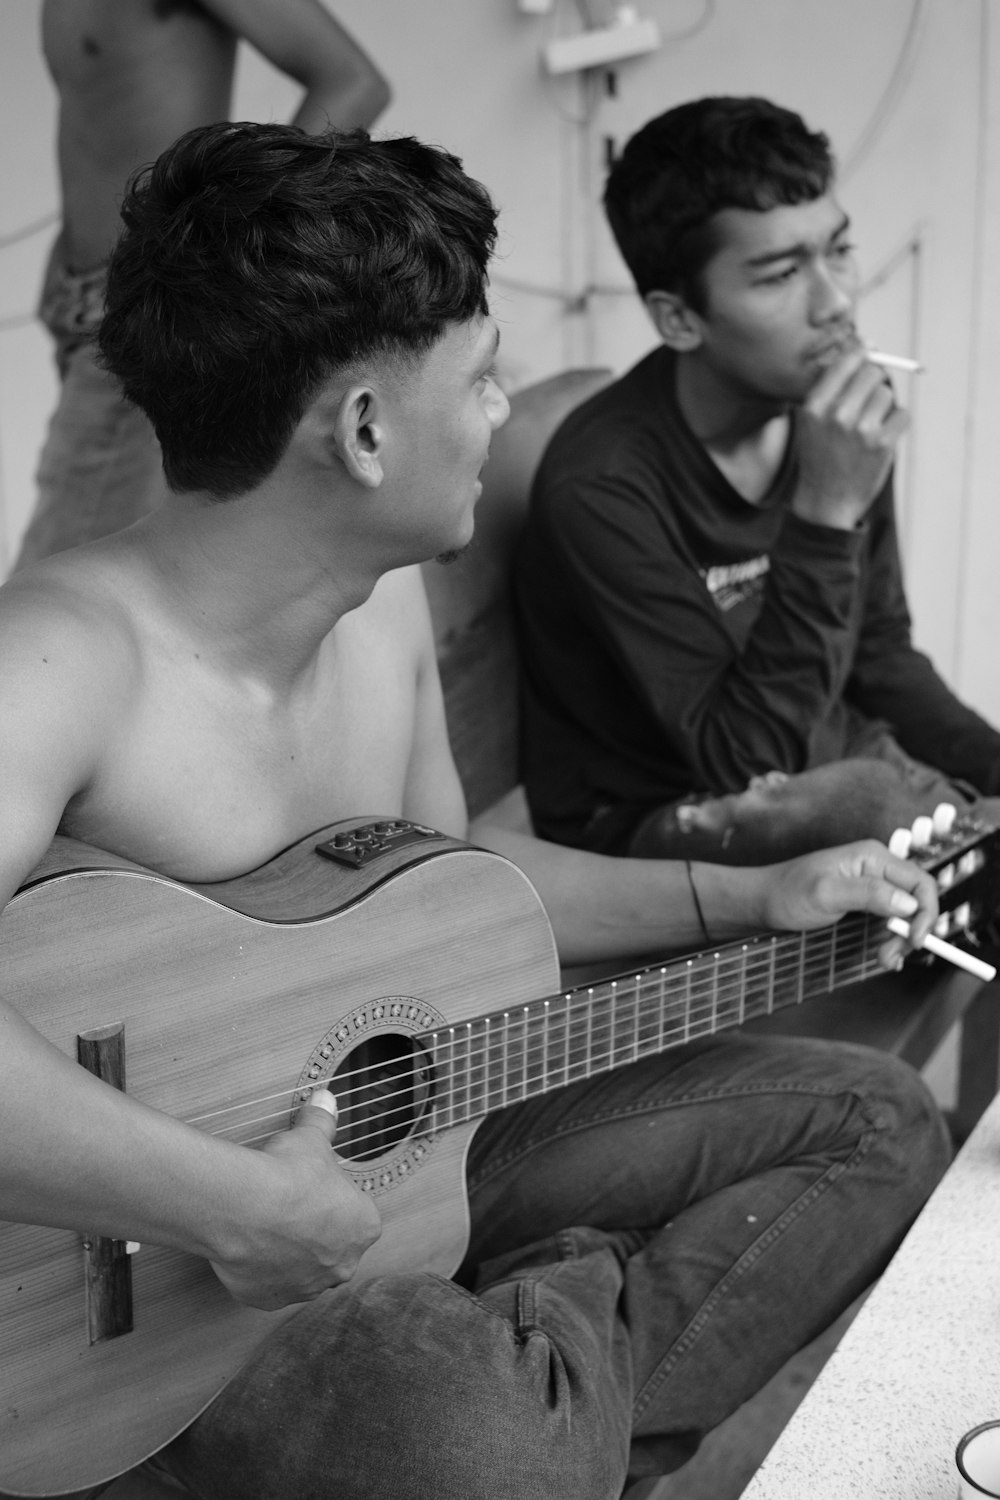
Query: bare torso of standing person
(131, 77)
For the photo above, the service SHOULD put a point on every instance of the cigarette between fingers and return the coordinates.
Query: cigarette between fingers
(948, 951)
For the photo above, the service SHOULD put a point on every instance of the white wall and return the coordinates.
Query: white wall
(906, 89)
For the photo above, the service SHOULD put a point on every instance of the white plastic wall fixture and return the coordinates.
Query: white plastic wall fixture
(595, 49)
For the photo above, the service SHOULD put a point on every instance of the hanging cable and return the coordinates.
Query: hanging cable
(898, 79)
(16, 236)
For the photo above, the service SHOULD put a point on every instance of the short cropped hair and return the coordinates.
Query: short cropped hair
(258, 260)
(682, 168)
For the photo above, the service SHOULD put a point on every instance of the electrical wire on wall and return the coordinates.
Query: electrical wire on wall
(17, 237)
(591, 85)
(900, 76)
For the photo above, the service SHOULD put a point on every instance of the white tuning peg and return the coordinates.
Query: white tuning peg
(921, 832)
(899, 843)
(943, 819)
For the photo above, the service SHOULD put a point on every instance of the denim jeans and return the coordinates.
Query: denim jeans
(647, 1249)
(100, 467)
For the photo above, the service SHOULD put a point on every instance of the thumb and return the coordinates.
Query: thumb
(319, 1112)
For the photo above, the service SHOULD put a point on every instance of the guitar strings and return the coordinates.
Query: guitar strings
(475, 1092)
(608, 991)
(632, 990)
(466, 1101)
(611, 1046)
(544, 1027)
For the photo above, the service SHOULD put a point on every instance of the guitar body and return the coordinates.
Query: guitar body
(233, 999)
(414, 976)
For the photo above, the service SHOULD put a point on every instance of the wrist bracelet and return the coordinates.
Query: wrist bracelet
(697, 903)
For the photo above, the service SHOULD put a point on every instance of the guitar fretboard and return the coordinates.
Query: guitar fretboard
(513, 1055)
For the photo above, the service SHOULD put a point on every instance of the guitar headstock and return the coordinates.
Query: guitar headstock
(962, 852)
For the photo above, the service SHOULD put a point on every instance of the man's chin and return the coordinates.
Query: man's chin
(453, 554)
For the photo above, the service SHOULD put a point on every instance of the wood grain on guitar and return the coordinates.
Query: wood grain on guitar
(418, 980)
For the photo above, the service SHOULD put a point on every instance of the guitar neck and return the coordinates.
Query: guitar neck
(513, 1055)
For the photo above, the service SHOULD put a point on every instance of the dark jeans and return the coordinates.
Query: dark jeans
(647, 1249)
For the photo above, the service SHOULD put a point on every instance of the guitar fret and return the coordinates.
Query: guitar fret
(453, 1093)
(545, 1047)
(515, 1060)
(831, 983)
(662, 1006)
(496, 1062)
(727, 1001)
(687, 1001)
(714, 983)
(477, 1086)
(649, 1016)
(536, 1057)
(621, 1038)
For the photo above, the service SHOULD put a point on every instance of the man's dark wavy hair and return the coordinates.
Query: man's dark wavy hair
(685, 166)
(257, 260)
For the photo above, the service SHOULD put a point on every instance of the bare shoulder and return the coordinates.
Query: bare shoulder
(68, 616)
(68, 664)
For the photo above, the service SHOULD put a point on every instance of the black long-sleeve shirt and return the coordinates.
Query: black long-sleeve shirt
(676, 637)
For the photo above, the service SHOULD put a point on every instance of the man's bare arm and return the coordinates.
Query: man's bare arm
(343, 87)
(602, 907)
(279, 1225)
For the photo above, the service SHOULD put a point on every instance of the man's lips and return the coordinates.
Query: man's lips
(828, 354)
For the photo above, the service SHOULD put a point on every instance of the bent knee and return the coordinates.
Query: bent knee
(911, 1127)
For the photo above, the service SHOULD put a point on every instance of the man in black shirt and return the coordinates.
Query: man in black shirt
(710, 587)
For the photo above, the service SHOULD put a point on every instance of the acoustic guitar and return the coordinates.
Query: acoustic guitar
(415, 976)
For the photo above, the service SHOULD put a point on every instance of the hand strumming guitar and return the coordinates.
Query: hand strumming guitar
(323, 1225)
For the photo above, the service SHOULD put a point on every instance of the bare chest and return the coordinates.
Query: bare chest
(207, 781)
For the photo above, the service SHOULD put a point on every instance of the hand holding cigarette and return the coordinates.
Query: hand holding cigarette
(902, 843)
(948, 951)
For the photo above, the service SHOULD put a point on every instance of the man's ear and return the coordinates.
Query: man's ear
(359, 436)
(678, 326)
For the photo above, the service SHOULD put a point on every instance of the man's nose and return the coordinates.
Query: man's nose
(499, 408)
(832, 294)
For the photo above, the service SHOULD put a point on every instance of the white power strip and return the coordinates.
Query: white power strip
(608, 44)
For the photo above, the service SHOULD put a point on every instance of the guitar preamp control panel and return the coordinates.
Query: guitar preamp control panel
(366, 842)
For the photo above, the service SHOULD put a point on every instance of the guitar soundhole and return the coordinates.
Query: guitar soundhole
(383, 1089)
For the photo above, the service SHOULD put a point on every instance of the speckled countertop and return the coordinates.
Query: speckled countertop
(919, 1365)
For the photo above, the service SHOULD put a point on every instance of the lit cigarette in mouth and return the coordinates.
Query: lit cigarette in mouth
(894, 361)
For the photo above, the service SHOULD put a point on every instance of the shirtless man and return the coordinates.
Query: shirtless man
(131, 79)
(255, 660)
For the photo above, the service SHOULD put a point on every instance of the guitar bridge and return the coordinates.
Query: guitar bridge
(107, 1268)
